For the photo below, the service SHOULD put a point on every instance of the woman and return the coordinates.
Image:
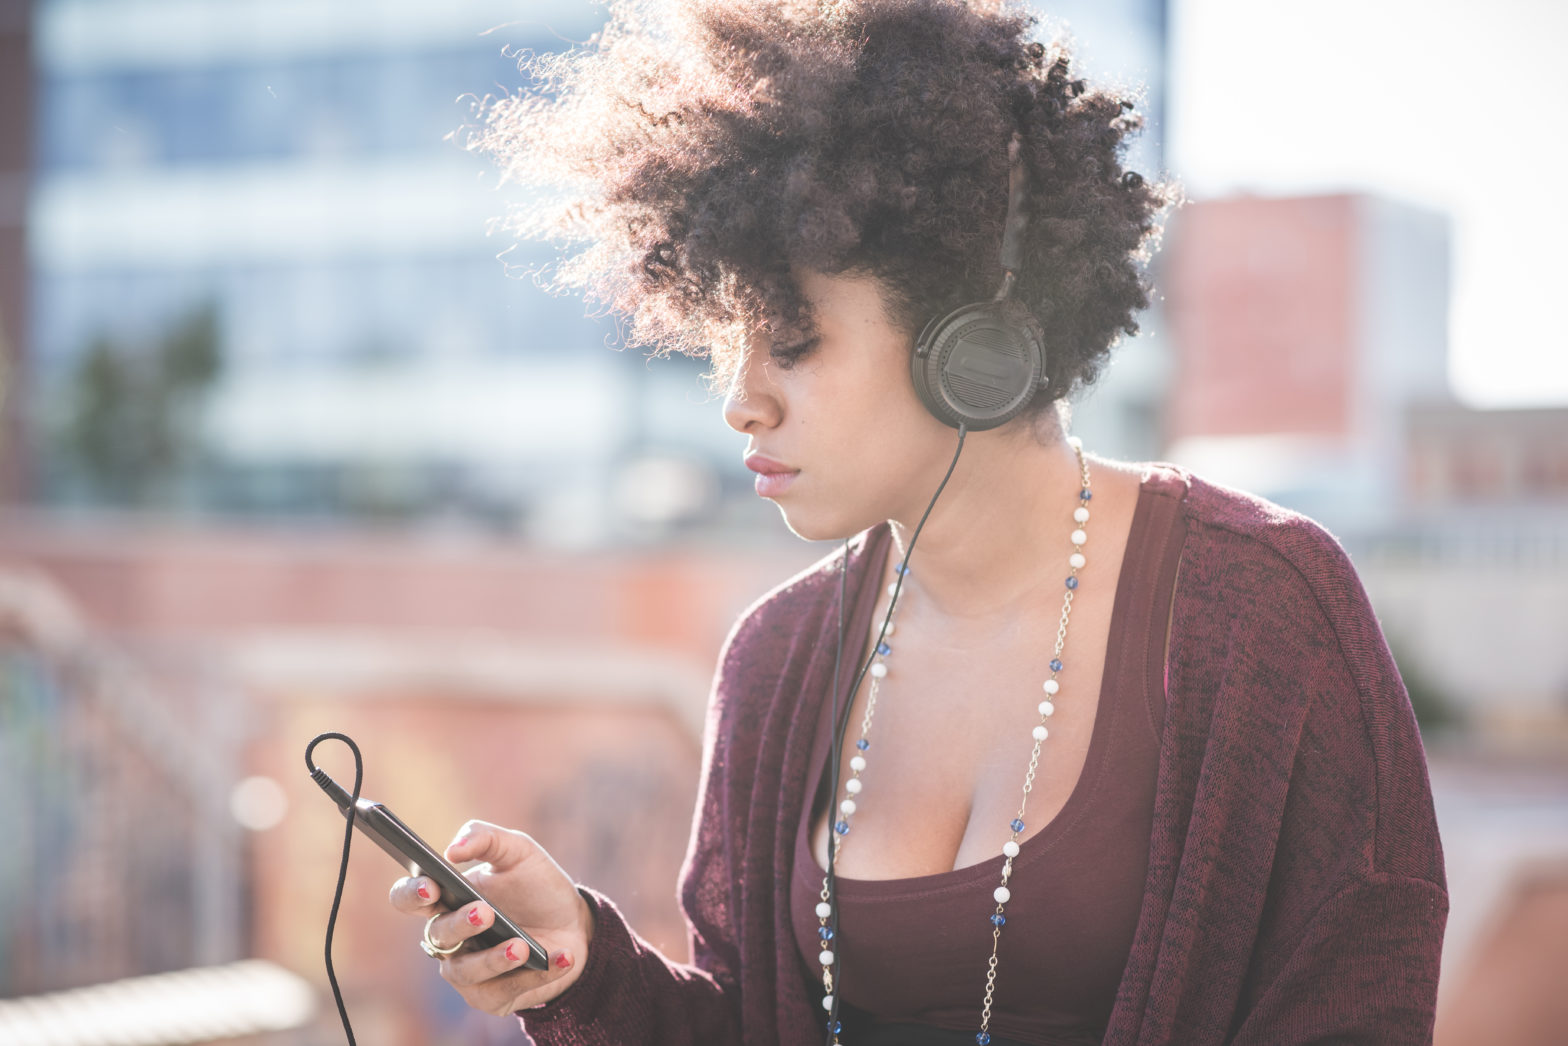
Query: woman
(1122, 756)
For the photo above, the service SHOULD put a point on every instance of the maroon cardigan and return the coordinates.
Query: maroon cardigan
(1295, 889)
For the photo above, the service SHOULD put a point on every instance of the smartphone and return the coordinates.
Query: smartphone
(418, 858)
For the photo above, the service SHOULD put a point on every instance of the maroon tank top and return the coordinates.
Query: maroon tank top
(915, 951)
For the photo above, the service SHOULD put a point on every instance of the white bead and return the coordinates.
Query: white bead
(852, 786)
(847, 807)
(1002, 895)
(1047, 709)
(824, 910)
(879, 670)
(857, 763)
(1076, 560)
(1079, 537)
(892, 588)
(892, 626)
(827, 1003)
(1039, 733)
(1050, 686)
(826, 958)
(1081, 514)
(1010, 848)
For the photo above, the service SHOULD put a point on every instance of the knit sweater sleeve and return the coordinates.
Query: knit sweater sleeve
(1350, 933)
(1363, 971)
(629, 993)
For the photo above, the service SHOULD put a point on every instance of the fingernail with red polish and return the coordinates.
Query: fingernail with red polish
(562, 961)
(516, 951)
(424, 891)
(474, 917)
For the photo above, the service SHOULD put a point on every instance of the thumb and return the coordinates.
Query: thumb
(500, 847)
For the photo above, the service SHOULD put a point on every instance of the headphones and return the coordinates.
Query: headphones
(980, 365)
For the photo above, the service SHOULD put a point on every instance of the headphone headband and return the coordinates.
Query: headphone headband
(1017, 218)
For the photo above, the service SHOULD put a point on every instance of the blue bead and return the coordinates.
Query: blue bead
(1084, 494)
(1017, 825)
(901, 569)
(862, 744)
(1056, 664)
(835, 1026)
(884, 649)
(825, 932)
(1072, 582)
(842, 828)
(983, 1038)
(997, 919)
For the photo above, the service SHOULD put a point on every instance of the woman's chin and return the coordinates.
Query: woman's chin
(814, 527)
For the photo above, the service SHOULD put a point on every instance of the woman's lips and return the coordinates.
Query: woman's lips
(773, 478)
(772, 484)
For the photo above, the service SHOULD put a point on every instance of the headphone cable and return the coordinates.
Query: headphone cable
(348, 836)
(840, 725)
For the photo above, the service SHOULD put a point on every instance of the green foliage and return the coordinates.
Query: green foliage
(1435, 710)
(132, 423)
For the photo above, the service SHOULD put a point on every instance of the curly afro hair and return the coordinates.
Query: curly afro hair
(697, 152)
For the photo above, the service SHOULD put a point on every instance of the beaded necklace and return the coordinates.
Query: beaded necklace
(857, 765)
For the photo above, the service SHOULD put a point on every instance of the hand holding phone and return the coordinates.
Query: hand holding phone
(418, 858)
(525, 881)
(497, 967)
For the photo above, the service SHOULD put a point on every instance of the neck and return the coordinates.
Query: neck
(987, 545)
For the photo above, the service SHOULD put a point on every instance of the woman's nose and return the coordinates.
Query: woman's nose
(751, 401)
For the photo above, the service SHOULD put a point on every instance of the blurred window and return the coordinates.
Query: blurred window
(329, 312)
(354, 104)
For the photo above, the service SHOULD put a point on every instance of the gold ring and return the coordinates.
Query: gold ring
(432, 949)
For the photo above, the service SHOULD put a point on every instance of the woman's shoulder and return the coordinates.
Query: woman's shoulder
(1251, 566)
(1269, 606)
(1244, 531)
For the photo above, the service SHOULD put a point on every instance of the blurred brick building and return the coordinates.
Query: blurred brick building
(1303, 328)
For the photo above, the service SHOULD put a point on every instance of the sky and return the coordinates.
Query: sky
(1455, 107)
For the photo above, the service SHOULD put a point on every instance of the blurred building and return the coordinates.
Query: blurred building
(1485, 459)
(16, 139)
(296, 171)
(1304, 329)
(1478, 561)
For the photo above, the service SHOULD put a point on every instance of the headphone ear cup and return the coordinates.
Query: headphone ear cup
(979, 365)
